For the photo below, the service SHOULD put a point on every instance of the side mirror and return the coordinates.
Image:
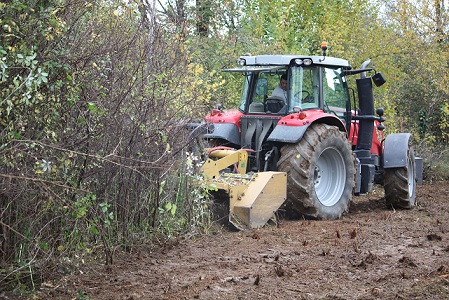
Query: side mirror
(378, 79)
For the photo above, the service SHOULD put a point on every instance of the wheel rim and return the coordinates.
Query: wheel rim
(330, 176)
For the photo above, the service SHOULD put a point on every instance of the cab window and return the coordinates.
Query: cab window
(334, 92)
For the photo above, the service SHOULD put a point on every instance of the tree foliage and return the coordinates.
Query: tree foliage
(418, 62)
(95, 100)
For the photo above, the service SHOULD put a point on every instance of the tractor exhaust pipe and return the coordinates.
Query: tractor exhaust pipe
(363, 67)
(365, 113)
(366, 120)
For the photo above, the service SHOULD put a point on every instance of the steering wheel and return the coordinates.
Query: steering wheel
(306, 99)
(274, 104)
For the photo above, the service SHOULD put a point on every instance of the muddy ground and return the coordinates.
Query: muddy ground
(372, 253)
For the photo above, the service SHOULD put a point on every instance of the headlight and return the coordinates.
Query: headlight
(241, 61)
(307, 62)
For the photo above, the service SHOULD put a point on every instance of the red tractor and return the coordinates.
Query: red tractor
(298, 117)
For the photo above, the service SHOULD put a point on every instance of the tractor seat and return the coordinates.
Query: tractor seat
(256, 107)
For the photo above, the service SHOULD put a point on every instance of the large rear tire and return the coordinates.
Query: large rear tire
(400, 184)
(320, 171)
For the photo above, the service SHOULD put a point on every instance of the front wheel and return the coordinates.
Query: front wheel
(400, 184)
(320, 171)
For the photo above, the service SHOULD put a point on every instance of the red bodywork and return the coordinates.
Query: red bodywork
(378, 137)
(303, 118)
(230, 117)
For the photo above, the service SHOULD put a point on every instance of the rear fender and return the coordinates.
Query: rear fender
(396, 149)
(197, 129)
(287, 134)
(226, 131)
(290, 130)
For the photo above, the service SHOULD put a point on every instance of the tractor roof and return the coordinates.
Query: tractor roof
(286, 60)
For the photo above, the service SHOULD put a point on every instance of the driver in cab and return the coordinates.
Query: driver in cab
(281, 89)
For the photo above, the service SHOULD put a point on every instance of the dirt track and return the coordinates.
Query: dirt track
(372, 253)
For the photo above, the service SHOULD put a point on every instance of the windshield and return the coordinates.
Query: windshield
(279, 91)
(305, 87)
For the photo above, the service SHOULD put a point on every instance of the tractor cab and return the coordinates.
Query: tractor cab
(282, 85)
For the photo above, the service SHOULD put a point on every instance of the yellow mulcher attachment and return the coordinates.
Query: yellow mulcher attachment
(253, 198)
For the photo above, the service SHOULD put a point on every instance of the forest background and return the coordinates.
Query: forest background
(95, 96)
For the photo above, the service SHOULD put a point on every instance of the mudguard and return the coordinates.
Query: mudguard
(395, 150)
(228, 132)
(292, 134)
(196, 129)
(287, 134)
